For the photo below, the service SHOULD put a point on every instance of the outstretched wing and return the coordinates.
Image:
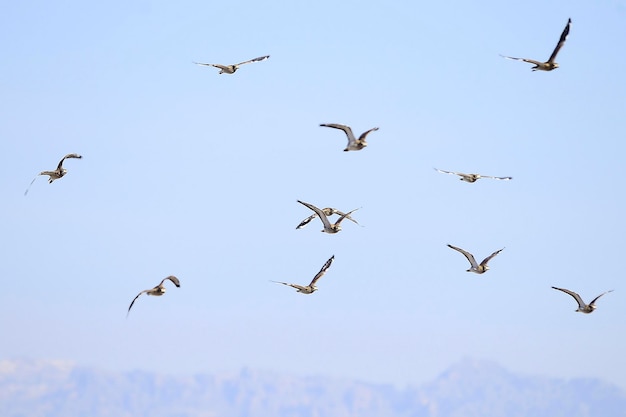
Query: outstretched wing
(69, 155)
(488, 258)
(133, 302)
(345, 216)
(468, 255)
(447, 172)
(561, 41)
(259, 59)
(581, 303)
(296, 286)
(222, 67)
(322, 271)
(367, 132)
(497, 178)
(346, 129)
(171, 278)
(531, 61)
(306, 221)
(320, 214)
(593, 302)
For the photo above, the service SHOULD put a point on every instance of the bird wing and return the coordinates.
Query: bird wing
(222, 67)
(69, 155)
(367, 132)
(346, 129)
(31, 183)
(561, 41)
(171, 278)
(322, 271)
(261, 58)
(133, 302)
(488, 258)
(468, 255)
(306, 221)
(296, 286)
(532, 61)
(448, 172)
(346, 215)
(581, 303)
(497, 178)
(319, 212)
(595, 299)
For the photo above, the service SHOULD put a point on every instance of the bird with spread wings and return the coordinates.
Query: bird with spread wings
(354, 144)
(475, 267)
(230, 69)
(549, 65)
(156, 291)
(582, 307)
(311, 288)
(57, 173)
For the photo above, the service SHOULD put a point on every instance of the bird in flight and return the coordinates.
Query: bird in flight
(156, 291)
(328, 227)
(471, 177)
(582, 307)
(328, 211)
(230, 69)
(57, 173)
(549, 65)
(311, 288)
(354, 144)
(479, 269)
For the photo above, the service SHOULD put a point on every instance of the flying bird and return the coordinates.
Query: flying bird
(582, 307)
(479, 269)
(230, 69)
(549, 65)
(156, 291)
(354, 144)
(328, 211)
(57, 173)
(328, 227)
(471, 177)
(311, 288)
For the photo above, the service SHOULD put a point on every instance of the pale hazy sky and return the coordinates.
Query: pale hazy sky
(196, 174)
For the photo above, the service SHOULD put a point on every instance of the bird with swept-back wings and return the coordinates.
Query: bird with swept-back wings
(328, 211)
(549, 65)
(475, 267)
(57, 173)
(472, 177)
(156, 291)
(328, 226)
(582, 307)
(354, 144)
(230, 69)
(311, 288)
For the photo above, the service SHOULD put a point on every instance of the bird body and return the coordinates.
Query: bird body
(582, 307)
(475, 267)
(230, 69)
(328, 226)
(550, 64)
(311, 288)
(354, 144)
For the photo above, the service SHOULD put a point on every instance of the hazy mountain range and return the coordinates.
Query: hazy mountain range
(468, 389)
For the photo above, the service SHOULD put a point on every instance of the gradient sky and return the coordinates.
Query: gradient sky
(196, 174)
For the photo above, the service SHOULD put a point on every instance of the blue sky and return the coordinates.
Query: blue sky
(196, 174)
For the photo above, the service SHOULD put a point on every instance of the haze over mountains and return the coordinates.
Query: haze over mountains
(469, 388)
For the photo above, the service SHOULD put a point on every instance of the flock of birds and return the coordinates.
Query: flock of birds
(356, 144)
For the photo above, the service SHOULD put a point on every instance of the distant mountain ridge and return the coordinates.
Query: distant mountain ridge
(468, 389)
